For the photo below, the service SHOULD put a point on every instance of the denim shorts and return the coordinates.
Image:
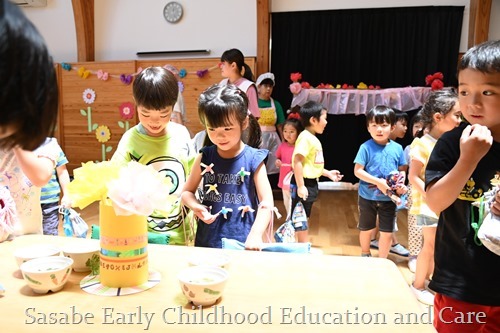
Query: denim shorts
(426, 221)
(368, 211)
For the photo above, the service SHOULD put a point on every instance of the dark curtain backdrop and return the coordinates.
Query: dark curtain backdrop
(389, 47)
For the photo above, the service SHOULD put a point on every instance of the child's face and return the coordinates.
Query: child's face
(227, 138)
(227, 69)
(417, 126)
(479, 97)
(290, 134)
(154, 121)
(399, 130)
(451, 120)
(317, 126)
(380, 132)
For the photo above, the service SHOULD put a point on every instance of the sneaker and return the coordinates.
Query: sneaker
(412, 264)
(400, 250)
(423, 295)
(374, 243)
(366, 255)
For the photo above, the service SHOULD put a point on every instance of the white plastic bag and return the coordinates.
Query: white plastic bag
(489, 233)
(73, 224)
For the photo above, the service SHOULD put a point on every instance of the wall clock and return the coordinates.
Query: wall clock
(173, 12)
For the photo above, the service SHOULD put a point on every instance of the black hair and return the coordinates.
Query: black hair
(310, 110)
(155, 88)
(401, 116)
(218, 104)
(417, 118)
(484, 57)
(235, 55)
(29, 93)
(380, 114)
(439, 101)
(295, 123)
(268, 82)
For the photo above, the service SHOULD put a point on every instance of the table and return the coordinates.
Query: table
(266, 292)
(359, 101)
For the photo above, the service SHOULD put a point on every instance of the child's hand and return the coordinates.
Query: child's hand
(401, 189)
(253, 242)
(66, 202)
(302, 192)
(334, 175)
(278, 163)
(382, 185)
(203, 214)
(475, 142)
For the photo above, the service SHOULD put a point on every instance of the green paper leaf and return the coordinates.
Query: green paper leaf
(94, 127)
(83, 112)
(108, 149)
(121, 124)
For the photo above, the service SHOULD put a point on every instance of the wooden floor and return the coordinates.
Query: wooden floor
(332, 225)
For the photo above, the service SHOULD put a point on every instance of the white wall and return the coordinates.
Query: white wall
(124, 27)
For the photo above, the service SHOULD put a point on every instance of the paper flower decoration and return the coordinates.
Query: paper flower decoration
(182, 73)
(295, 77)
(127, 110)
(102, 134)
(66, 66)
(295, 88)
(201, 73)
(101, 75)
(435, 81)
(305, 85)
(362, 85)
(126, 79)
(89, 96)
(133, 188)
(83, 73)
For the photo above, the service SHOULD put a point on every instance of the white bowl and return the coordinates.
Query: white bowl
(203, 285)
(24, 254)
(48, 273)
(210, 259)
(80, 252)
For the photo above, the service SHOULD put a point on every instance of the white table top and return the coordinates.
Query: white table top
(279, 291)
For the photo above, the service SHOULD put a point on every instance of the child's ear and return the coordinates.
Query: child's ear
(245, 124)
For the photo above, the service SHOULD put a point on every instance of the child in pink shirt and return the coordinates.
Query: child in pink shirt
(291, 130)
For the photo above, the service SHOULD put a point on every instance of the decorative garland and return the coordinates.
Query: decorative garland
(435, 81)
(128, 78)
(296, 86)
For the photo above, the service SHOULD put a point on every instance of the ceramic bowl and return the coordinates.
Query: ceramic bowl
(47, 273)
(80, 252)
(210, 259)
(203, 285)
(24, 254)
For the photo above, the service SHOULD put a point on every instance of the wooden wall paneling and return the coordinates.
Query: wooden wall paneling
(80, 144)
(83, 12)
(263, 36)
(194, 85)
(59, 130)
(479, 21)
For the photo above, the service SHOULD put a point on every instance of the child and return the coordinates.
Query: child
(161, 143)
(415, 239)
(271, 123)
(28, 115)
(463, 165)
(237, 72)
(237, 194)
(440, 113)
(291, 130)
(308, 165)
(50, 194)
(375, 160)
(398, 132)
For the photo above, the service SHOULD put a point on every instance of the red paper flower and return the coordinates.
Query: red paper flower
(127, 110)
(305, 85)
(437, 84)
(295, 77)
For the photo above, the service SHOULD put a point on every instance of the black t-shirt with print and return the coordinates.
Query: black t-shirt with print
(464, 270)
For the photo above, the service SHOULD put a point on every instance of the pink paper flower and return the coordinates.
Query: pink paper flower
(295, 88)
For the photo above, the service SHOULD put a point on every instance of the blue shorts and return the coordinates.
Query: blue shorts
(426, 221)
(368, 211)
